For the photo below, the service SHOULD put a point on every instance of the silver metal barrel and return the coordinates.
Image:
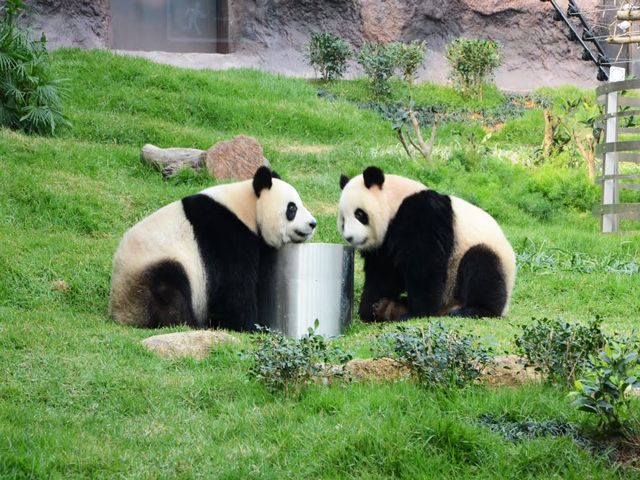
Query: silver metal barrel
(303, 282)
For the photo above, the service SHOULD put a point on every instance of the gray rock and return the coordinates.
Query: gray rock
(192, 344)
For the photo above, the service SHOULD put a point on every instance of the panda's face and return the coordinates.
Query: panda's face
(363, 215)
(368, 204)
(281, 216)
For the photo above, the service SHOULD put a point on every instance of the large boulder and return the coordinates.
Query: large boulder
(237, 159)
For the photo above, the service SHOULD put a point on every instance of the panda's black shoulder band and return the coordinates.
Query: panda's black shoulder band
(373, 176)
(262, 180)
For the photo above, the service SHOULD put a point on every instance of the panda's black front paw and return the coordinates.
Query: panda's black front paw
(388, 310)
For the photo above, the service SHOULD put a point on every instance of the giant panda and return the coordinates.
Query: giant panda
(196, 260)
(449, 256)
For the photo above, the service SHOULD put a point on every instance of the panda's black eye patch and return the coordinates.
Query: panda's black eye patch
(292, 209)
(362, 216)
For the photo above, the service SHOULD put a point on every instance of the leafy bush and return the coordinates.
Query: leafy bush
(560, 350)
(328, 54)
(472, 63)
(281, 362)
(30, 98)
(564, 187)
(379, 62)
(409, 57)
(516, 429)
(603, 391)
(435, 355)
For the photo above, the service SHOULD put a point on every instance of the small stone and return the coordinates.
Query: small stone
(60, 285)
(238, 158)
(194, 344)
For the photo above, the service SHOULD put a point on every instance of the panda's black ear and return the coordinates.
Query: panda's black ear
(373, 176)
(262, 180)
(274, 174)
(343, 181)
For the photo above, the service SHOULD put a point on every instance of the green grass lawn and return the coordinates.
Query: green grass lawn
(80, 398)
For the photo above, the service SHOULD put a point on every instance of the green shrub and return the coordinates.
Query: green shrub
(283, 363)
(379, 62)
(30, 98)
(472, 63)
(564, 187)
(435, 355)
(328, 54)
(409, 57)
(560, 350)
(604, 390)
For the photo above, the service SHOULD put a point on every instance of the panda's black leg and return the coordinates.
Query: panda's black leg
(235, 307)
(425, 289)
(480, 284)
(381, 280)
(170, 300)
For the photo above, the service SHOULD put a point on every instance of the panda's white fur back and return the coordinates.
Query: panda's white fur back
(164, 235)
(473, 226)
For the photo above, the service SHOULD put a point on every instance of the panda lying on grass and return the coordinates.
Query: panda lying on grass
(450, 257)
(195, 261)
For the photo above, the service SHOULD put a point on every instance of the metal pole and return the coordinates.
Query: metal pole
(610, 160)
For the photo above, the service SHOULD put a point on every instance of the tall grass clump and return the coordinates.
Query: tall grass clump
(30, 98)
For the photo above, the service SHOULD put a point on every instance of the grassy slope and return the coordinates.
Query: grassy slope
(80, 398)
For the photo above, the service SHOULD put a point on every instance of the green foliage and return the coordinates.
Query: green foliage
(328, 54)
(472, 63)
(537, 259)
(560, 350)
(436, 355)
(603, 391)
(81, 398)
(30, 97)
(410, 57)
(283, 363)
(379, 62)
(516, 429)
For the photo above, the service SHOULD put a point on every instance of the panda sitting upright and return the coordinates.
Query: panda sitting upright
(450, 257)
(195, 261)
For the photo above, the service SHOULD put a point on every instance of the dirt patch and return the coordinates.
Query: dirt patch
(376, 369)
(305, 149)
(493, 128)
(509, 371)
(505, 371)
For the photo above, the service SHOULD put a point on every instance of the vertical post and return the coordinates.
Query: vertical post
(610, 160)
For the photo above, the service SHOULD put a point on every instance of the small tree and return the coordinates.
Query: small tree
(409, 57)
(379, 62)
(472, 63)
(328, 54)
(30, 98)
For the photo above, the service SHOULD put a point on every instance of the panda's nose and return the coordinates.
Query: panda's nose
(349, 239)
(313, 224)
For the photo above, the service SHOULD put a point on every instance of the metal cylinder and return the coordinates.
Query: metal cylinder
(302, 283)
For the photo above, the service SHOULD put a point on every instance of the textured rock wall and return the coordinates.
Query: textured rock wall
(536, 49)
(272, 33)
(79, 23)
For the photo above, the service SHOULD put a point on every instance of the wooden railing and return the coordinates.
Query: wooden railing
(615, 152)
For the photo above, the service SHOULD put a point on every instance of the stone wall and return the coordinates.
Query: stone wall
(536, 50)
